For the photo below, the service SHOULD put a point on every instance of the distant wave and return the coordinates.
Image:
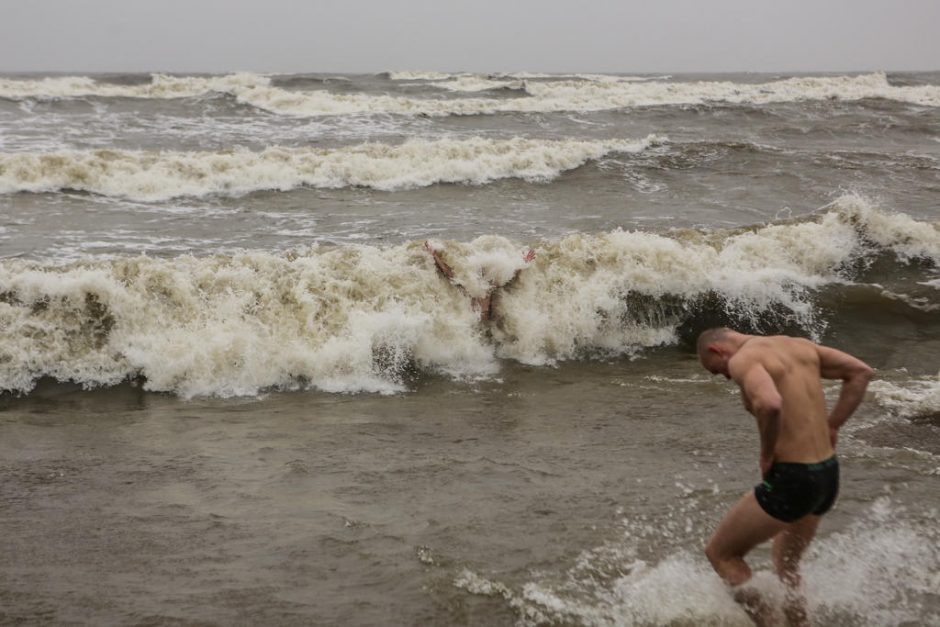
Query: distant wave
(479, 83)
(151, 176)
(509, 81)
(161, 86)
(362, 318)
(541, 96)
(443, 76)
(418, 76)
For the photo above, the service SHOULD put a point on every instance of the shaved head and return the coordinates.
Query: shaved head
(710, 336)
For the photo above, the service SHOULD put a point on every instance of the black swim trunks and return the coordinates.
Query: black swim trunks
(790, 491)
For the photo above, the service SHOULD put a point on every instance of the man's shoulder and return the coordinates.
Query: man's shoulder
(767, 349)
(763, 343)
(746, 358)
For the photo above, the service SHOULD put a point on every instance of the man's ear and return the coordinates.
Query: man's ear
(712, 348)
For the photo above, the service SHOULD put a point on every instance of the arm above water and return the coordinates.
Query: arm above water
(763, 400)
(855, 375)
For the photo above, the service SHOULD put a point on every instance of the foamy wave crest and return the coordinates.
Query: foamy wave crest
(444, 76)
(364, 318)
(623, 289)
(150, 176)
(573, 95)
(517, 80)
(881, 570)
(477, 83)
(160, 86)
(345, 319)
(619, 94)
(597, 96)
(420, 76)
(918, 398)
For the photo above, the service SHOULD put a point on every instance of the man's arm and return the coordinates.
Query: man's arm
(763, 400)
(855, 375)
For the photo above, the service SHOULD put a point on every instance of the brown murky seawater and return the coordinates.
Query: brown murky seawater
(580, 493)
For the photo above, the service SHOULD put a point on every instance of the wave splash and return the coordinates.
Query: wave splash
(915, 399)
(880, 570)
(586, 93)
(153, 176)
(361, 318)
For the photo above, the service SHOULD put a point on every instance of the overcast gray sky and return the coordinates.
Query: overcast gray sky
(468, 35)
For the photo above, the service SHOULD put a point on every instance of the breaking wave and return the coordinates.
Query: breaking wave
(151, 176)
(915, 399)
(445, 76)
(583, 94)
(362, 318)
(160, 86)
(479, 83)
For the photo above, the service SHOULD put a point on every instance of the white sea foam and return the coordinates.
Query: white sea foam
(160, 86)
(420, 76)
(517, 80)
(596, 96)
(909, 399)
(477, 83)
(445, 76)
(149, 176)
(543, 96)
(880, 570)
(360, 318)
(593, 95)
(770, 268)
(342, 319)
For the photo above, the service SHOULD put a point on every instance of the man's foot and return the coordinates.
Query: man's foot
(754, 606)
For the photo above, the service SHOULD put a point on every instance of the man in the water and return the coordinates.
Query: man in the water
(483, 304)
(780, 381)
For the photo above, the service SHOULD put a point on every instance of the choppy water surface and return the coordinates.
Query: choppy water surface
(236, 389)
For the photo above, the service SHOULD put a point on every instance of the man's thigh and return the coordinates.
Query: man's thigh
(744, 526)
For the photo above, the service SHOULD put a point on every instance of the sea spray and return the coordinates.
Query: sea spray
(881, 569)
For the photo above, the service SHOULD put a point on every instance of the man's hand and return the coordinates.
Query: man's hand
(855, 375)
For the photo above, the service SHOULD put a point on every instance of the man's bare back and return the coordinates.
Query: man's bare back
(780, 381)
(794, 366)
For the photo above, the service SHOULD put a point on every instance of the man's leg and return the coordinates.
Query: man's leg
(789, 545)
(745, 526)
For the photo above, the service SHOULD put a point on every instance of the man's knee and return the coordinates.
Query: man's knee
(718, 560)
(732, 568)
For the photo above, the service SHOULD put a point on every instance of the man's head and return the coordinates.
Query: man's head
(715, 348)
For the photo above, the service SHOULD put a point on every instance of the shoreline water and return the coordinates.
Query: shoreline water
(592, 484)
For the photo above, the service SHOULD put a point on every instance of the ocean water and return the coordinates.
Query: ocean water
(234, 388)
